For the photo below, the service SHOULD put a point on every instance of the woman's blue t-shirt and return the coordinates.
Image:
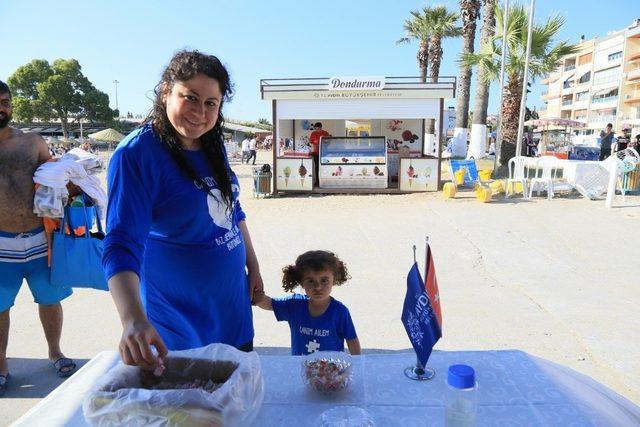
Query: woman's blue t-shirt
(326, 332)
(185, 246)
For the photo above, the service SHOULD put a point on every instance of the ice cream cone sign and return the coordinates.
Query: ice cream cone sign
(287, 174)
(427, 175)
(302, 171)
(411, 173)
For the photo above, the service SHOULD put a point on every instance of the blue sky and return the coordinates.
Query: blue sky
(132, 41)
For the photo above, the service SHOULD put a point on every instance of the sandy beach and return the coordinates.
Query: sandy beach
(557, 279)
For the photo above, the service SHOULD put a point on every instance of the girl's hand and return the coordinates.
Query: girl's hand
(135, 345)
(256, 287)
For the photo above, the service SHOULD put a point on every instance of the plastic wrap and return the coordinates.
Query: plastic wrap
(126, 394)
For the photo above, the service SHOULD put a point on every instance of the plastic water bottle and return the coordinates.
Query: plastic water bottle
(461, 397)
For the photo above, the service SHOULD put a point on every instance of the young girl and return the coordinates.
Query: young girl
(317, 321)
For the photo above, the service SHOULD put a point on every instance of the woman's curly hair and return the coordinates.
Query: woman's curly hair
(314, 261)
(184, 66)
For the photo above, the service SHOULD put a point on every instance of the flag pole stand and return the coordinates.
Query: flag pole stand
(419, 372)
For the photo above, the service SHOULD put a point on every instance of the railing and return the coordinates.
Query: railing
(602, 119)
(570, 67)
(607, 99)
(567, 85)
(567, 102)
(320, 84)
(633, 74)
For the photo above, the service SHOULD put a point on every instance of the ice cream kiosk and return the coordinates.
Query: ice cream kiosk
(380, 133)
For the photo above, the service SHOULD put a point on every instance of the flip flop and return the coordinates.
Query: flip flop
(64, 367)
(4, 383)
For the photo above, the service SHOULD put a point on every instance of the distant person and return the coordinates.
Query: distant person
(636, 143)
(606, 140)
(318, 322)
(252, 150)
(314, 139)
(245, 150)
(23, 245)
(623, 141)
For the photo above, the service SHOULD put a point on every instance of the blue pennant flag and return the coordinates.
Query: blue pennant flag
(418, 317)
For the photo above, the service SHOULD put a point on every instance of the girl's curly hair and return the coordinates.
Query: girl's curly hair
(314, 261)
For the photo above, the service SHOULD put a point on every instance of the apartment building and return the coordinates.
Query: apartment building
(599, 84)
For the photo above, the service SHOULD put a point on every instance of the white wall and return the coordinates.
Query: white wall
(414, 126)
(604, 49)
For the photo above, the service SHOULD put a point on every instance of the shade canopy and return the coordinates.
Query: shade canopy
(108, 135)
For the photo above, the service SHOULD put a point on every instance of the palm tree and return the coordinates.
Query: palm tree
(545, 56)
(469, 10)
(440, 24)
(433, 24)
(415, 29)
(481, 103)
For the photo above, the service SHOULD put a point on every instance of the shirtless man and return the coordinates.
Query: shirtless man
(23, 248)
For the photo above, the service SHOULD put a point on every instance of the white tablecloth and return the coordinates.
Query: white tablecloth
(515, 389)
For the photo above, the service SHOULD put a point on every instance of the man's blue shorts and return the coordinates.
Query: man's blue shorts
(24, 256)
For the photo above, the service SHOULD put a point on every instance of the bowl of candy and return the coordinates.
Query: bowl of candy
(327, 372)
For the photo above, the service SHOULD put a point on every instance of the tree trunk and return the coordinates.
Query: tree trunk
(469, 10)
(423, 59)
(65, 126)
(435, 57)
(510, 116)
(482, 93)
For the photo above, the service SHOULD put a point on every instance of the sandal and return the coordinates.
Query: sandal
(64, 367)
(4, 383)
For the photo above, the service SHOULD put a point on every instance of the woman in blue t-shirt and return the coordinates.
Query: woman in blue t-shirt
(318, 322)
(178, 257)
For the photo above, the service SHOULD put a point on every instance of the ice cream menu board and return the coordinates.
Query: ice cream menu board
(418, 174)
(295, 174)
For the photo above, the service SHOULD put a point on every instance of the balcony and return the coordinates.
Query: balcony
(570, 67)
(551, 95)
(603, 119)
(634, 57)
(605, 99)
(633, 99)
(567, 102)
(633, 75)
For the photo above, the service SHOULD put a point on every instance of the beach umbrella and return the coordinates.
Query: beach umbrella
(108, 135)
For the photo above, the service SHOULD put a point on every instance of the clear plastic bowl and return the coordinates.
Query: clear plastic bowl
(327, 372)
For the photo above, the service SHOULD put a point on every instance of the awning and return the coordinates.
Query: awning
(603, 91)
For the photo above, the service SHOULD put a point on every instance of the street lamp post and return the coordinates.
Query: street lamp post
(523, 102)
(116, 83)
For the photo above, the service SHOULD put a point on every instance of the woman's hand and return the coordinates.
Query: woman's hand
(135, 345)
(256, 287)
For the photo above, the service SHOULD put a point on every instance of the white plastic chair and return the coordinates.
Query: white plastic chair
(545, 167)
(516, 174)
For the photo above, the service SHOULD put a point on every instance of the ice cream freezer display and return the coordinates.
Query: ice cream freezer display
(418, 174)
(295, 174)
(353, 162)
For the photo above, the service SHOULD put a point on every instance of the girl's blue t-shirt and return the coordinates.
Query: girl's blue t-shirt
(184, 244)
(326, 332)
